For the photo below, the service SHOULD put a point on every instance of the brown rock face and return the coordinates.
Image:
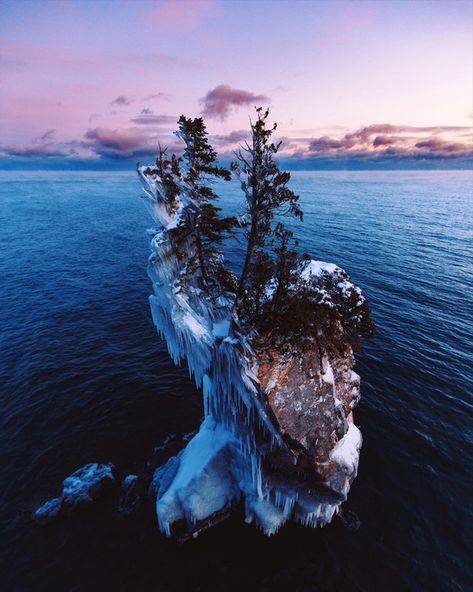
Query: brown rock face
(311, 394)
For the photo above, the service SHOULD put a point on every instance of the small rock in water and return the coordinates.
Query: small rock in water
(82, 487)
(350, 520)
(130, 498)
(87, 483)
(48, 511)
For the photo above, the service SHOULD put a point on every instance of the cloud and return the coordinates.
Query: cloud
(392, 141)
(437, 145)
(234, 137)
(150, 119)
(158, 95)
(122, 101)
(96, 144)
(219, 101)
(48, 134)
(47, 151)
(386, 140)
(372, 146)
(122, 142)
(324, 144)
(43, 146)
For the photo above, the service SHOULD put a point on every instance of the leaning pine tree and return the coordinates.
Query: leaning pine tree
(275, 297)
(268, 255)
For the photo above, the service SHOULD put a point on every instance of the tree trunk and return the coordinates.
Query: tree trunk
(200, 254)
(246, 265)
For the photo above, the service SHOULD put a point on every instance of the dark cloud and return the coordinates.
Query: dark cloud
(159, 95)
(220, 101)
(146, 111)
(122, 101)
(325, 143)
(48, 134)
(438, 145)
(234, 137)
(388, 140)
(31, 150)
(149, 119)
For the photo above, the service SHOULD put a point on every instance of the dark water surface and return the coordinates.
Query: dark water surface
(85, 378)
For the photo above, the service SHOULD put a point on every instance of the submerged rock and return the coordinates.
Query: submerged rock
(83, 487)
(130, 494)
(48, 512)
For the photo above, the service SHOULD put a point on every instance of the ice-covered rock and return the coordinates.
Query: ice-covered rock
(202, 482)
(84, 486)
(87, 484)
(278, 432)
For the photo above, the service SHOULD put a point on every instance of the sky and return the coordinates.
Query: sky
(351, 83)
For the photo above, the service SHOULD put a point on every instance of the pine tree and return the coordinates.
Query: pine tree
(169, 172)
(267, 195)
(203, 215)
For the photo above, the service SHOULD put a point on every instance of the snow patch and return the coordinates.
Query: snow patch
(347, 450)
(317, 268)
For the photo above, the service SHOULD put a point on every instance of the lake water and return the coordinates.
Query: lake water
(85, 378)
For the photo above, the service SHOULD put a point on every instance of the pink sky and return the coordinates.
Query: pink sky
(98, 80)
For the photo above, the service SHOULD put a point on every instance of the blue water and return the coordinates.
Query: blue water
(85, 378)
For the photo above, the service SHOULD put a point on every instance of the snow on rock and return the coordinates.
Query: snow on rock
(84, 486)
(87, 483)
(347, 450)
(317, 268)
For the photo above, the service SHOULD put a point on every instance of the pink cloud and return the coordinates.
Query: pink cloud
(117, 139)
(219, 101)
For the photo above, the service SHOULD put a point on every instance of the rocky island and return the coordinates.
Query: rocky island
(271, 349)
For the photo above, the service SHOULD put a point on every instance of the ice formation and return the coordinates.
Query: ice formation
(278, 437)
